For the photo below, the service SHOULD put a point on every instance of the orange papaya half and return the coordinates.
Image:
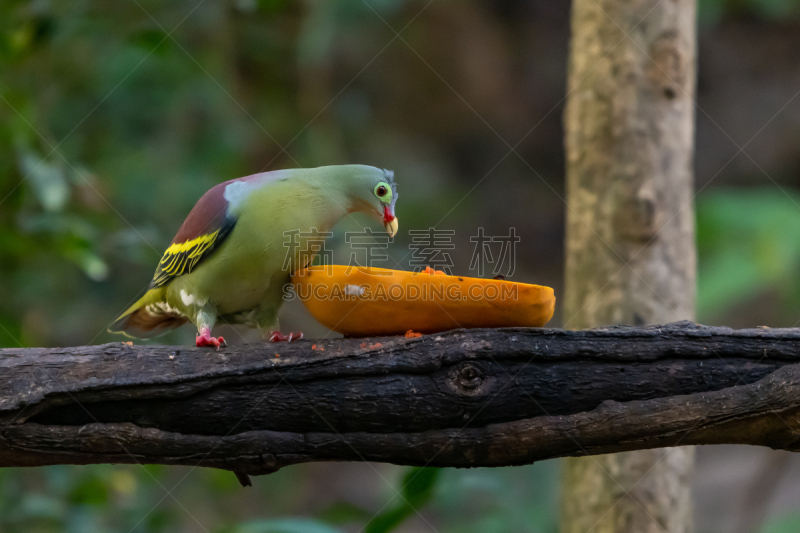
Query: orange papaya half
(362, 302)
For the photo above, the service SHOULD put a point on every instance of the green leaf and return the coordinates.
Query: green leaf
(389, 520)
(91, 264)
(418, 487)
(47, 180)
(419, 483)
(343, 512)
(91, 491)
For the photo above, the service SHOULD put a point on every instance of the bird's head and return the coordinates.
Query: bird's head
(376, 194)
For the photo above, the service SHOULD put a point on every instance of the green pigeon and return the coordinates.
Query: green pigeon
(237, 249)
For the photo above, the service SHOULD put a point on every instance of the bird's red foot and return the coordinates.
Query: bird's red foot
(277, 336)
(205, 339)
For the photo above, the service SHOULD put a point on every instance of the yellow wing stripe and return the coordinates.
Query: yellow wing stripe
(180, 258)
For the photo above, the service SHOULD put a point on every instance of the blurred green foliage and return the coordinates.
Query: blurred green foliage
(784, 524)
(749, 249)
(283, 525)
(127, 499)
(711, 11)
(67, 499)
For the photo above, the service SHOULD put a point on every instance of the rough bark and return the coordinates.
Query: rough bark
(462, 399)
(630, 227)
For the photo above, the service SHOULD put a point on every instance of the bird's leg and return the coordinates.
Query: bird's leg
(205, 318)
(270, 330)
(277, 336)
(204, 338)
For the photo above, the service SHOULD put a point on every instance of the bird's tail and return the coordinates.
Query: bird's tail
(149, 317)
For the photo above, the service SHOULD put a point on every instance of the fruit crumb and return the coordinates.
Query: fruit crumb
(429, 270)
(411, 334)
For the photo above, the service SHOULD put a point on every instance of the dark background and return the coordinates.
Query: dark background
(116, 116)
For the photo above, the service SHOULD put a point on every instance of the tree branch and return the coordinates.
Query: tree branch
(462, 398)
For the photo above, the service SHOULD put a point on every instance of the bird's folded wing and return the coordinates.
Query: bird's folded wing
(182, 257)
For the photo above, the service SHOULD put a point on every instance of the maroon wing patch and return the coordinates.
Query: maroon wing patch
(206, 227)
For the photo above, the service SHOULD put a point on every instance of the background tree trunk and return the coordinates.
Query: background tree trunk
(630, 254)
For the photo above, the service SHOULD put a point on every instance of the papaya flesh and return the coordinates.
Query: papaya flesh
(362, 302)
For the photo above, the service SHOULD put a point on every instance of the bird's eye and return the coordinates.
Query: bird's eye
(384, 192)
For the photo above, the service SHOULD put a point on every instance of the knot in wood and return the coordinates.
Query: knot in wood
(469, 379)
(670, 59)
(640, 218)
